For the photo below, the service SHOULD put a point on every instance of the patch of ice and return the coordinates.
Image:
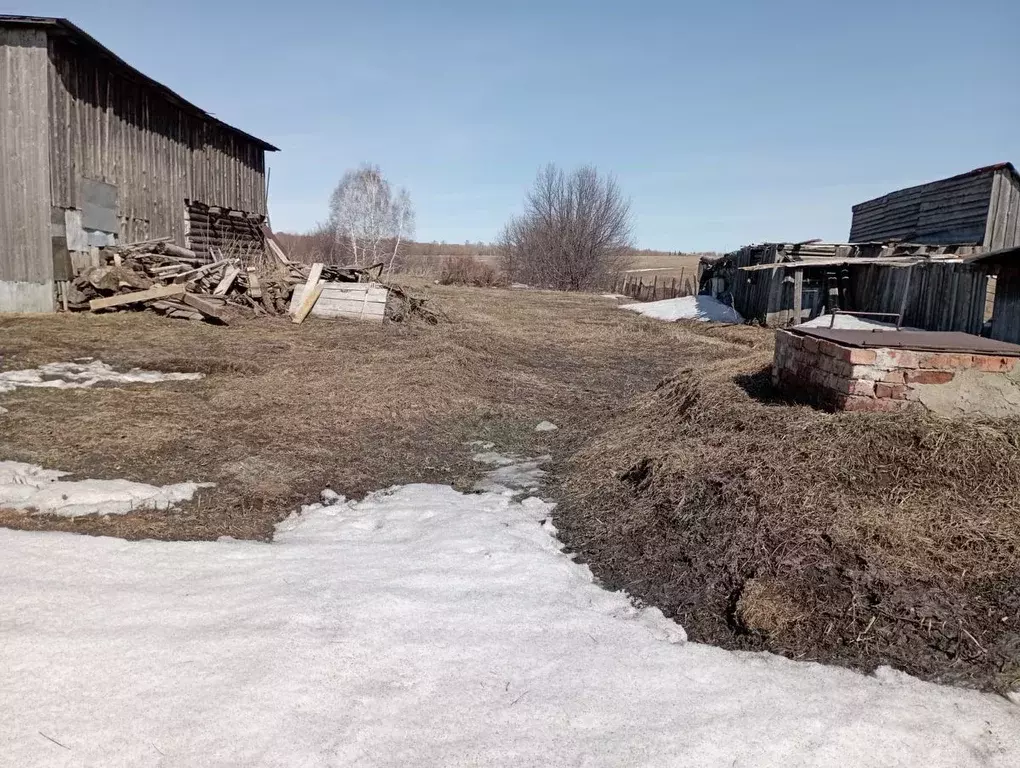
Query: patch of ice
(32, 488)
(512, 474)
(422, 627)
(703, 308)
(82, 374)
(546, 426)
(849, 323)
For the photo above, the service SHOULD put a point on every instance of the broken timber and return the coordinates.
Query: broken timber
(159, 292)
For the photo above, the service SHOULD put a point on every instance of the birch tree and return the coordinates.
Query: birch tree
(368, 220)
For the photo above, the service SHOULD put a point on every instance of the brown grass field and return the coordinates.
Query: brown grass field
(680, 475)
(287, 410)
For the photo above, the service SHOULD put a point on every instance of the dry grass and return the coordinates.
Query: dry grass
(286, 410)
(761, 524)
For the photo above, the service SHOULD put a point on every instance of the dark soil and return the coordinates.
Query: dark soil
(760, 524)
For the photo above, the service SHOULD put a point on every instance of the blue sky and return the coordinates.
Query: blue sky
(725, 122)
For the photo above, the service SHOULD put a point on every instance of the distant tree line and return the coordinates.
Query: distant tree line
(575, 232)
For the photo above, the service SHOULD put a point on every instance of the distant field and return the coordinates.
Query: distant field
(664, 266)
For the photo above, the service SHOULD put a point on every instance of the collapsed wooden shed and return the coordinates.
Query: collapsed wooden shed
(781, 284)
(93, 152)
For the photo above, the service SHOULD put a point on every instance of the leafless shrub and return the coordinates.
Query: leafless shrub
(464, 270)
(575, 232)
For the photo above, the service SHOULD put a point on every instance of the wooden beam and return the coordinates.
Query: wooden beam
(313, 280)
(277, 251)
(159, 292)
(307, 302)
(798, 296)
(207, 308)
(227, 281)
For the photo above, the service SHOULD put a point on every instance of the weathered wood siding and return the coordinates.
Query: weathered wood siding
(940, 213)
(112, 128)
(1006, 310)
(26, 262)
(939, 296)
(1003, 229)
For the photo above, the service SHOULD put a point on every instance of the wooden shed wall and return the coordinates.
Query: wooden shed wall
(26, 263)
(1003, 229)
(111, 128)
(1006, 310)
(940, 213)
(940, 296)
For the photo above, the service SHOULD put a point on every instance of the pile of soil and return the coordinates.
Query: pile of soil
(762, 524)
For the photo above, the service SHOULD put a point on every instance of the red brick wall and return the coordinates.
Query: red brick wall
(852, 379)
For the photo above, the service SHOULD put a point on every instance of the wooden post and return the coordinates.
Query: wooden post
(672, 288)
(682, 275)
(798, 295)
(640, 285)
(655, 286)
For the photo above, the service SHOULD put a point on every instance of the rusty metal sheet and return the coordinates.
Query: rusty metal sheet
(925, 341)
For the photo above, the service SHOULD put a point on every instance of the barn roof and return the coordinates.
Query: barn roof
(976, 172)
(63, 27)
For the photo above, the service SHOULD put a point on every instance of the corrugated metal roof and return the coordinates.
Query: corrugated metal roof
(54, 25)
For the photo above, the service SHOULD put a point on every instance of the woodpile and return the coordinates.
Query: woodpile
(176, 282)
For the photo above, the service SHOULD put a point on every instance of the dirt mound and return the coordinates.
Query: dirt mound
(759, 524)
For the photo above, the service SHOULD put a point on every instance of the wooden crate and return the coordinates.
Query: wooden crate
(358, 301)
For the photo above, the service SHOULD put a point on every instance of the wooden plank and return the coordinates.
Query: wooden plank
(227, 281)
(195, 274)
(307, 302)
(254, 285)
(277, 251)
(313, 276)
(207, 308)
(798, 296)
(159, 292)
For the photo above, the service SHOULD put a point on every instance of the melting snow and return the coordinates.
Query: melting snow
(29, 487)
(546, 426)
(511, 474)
(703, 308)
(81, 374)
(850, 323)
(422, 627)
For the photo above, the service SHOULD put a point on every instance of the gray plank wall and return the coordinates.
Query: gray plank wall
(26, 262)
(1003, 230)
(1006, 311)
(111, 128)
(940, 213)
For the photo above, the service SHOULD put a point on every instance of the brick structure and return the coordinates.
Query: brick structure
(849, 378)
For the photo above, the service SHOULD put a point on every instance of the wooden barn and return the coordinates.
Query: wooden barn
(980, 208)
(93, 152)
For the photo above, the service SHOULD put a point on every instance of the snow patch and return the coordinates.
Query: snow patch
(546, 426)
(850, 323)
(30, 487)
(511, 474)
(424, 627)
(82, 374)
(703, 308)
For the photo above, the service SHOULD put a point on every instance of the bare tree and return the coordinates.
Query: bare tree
(367, 220)
(574, 233)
